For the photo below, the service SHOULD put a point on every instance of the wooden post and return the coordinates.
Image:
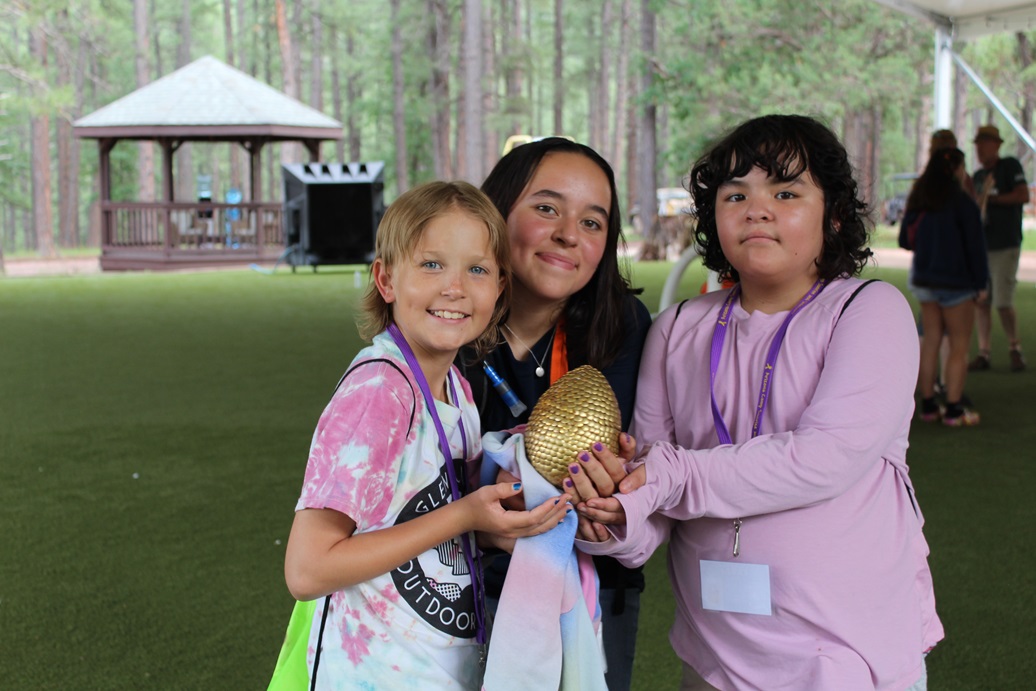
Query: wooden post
(104, 147)
(167, 195)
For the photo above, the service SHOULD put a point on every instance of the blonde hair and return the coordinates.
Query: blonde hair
(400, 231)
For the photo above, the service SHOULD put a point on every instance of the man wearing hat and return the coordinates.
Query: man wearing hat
(1002, 191)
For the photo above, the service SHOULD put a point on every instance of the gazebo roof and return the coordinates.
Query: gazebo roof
(207, 100)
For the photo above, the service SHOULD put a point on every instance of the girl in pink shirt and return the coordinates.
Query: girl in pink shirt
(773, 419)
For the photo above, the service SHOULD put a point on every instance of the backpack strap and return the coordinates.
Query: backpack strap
(909, 489)
(327, 599)
(390, 363)
(855, 293)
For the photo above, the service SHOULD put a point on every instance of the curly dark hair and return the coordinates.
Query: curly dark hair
(785, 146)
(594, 316)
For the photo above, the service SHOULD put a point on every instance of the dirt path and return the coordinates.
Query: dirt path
(73, 266)
(66, 266)
(900, 259)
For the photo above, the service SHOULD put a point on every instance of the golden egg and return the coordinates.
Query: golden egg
(578, 410)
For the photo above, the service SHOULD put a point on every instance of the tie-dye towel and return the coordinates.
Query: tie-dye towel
(543, 635)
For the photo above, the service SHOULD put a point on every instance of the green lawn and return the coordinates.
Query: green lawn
(153, 436)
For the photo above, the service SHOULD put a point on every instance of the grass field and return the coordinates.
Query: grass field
(153, 436)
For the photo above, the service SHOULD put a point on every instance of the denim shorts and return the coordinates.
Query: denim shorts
(946, 297)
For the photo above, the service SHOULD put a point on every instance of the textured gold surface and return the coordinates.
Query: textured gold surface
(577, 410)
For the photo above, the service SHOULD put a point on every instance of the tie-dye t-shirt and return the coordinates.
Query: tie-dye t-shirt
(375, 457)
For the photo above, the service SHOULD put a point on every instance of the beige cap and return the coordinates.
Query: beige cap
(988, 132)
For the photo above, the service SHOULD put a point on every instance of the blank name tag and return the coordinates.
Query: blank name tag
(732, 587)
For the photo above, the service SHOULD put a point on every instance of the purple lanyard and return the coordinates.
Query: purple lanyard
(444, 444)
(719, 336)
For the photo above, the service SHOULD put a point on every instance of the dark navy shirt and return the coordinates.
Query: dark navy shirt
(521, 376)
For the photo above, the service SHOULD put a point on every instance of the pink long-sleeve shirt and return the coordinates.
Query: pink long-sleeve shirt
(823, 491)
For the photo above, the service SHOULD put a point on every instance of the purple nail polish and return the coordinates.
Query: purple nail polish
(568, 482)
(584, 457)
(598, 446)
(574, 468)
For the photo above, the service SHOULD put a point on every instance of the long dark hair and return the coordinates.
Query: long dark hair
(785, 146)
(594, 321)
(938, 183)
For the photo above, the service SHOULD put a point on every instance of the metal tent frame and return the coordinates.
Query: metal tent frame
(962, 20)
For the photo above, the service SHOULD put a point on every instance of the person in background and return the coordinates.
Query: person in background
(1002, 192)
(942, 139)
(382, 528)
(946, 139)
(571, 305)
(780, 481)
(943, 228)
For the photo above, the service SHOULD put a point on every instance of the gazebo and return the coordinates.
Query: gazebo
(208, 101)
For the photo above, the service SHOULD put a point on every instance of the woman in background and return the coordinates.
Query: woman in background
(943, 228)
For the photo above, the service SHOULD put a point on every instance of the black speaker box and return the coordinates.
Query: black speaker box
(332, 211)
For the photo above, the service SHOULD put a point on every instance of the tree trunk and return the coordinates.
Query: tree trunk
(289, 150)
(353, 90)
(296, 47)
(490, 102)
(336, 88)
(1025, 56)
(157, 45)
(316, 76)
(646, 152)
(72, 193)
(145, 149)
(439, 57)
(471, 146)
(617, 150)
(253, 58)
(922, 128)
(461, 108)
(240, 34)
(272, 178)
(600, 120)
(67, 230)
(859, 145)
(187, 186)
(875, 156)
(559, 69)
(228, 32)
(234, 151)
(515, 75)
(398, 106)
(632, 157)
(43, 216)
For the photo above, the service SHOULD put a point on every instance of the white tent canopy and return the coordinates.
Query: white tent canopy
(967, 19)
(959, 20)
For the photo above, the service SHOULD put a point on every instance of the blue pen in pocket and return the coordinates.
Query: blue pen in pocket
(505, 391)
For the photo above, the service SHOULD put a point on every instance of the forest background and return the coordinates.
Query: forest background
(434, 87)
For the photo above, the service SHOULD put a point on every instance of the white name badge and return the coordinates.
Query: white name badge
(733, 587)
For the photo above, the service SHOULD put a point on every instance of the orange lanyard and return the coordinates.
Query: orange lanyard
(558, 353)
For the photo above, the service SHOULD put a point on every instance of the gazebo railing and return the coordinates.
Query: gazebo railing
(192, 227)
